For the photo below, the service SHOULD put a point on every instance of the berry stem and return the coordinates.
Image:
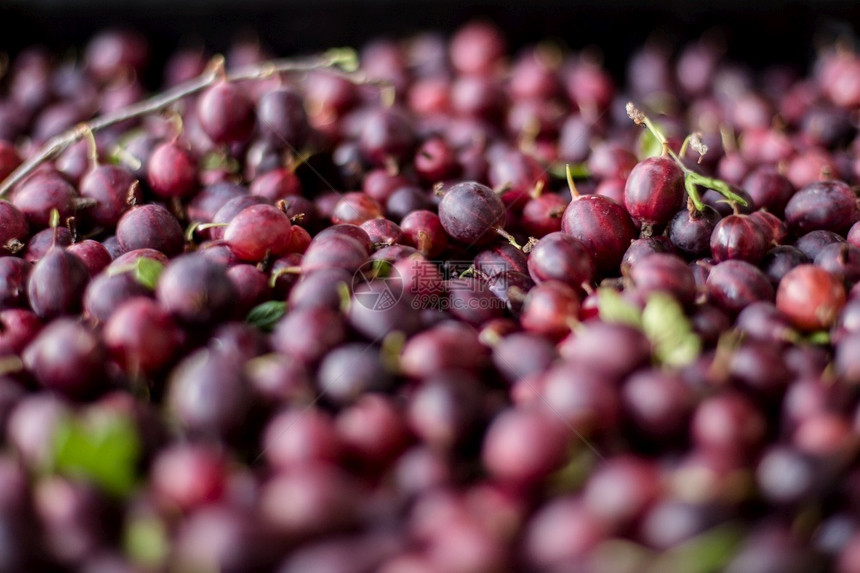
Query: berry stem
(510, 238)
(343, 58)
(691, 178)
(571, 184)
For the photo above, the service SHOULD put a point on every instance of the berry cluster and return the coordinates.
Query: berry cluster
(435, 306)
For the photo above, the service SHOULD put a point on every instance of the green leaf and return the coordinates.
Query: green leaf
(670, 333)
(147, 271)
(648, 145)
(103, 449)
(577, 170)
(220, 160)
(708, 552)
(819, 338)
(146, 542)
(622, 556)
(613, 308)
(264, 316)
(573, 475)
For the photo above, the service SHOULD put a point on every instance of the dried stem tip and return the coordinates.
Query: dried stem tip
(697, 144)
(635, 114)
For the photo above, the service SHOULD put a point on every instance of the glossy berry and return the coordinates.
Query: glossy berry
(282, 118)
(774, 229)
(276, 184)
(435, 160)
(383, 232)
(189, 475)
(141, 336)
(423, 230)
(387, 135)
(738, 237)
(109, 186)
(208, 395)
(690, 231)
(603, 226)
(351, 370)
(196, 290)
(827, 205)
(644, 247)
(734, 284)
(94, 255)
(841, 260)
(172, 170)
(46, 239)
(324, 328)
(37, 196)
(550, 308)
(355, 208)
(150, 227)
(523, 446)
(769, 189)
(728, 422)
(664, 273)
(56, 284)
(561, 257)
(13, 282)
(657, 404)
(106, 292)
(13, 228)
(471, 213)
(259, 231)
(542, 215)
(811, 297)
(226, 113)
(654, 191)
(68, 358)
(334, 252)
(18, 327)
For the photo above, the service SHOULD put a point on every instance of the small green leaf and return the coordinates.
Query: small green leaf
(648, 145)
(571, 477)
(147, 271)
(10, 364)
(344, 58)
(264, 316)
(613, 308)
(576, 170)
(103, 449)
(146, 542)
(819, 338)
(670, 333)
(708, 552)
(392, 345)
(345, 296)
(220, 160)
(622, 556)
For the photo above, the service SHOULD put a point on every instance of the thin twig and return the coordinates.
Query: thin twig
(342, 57)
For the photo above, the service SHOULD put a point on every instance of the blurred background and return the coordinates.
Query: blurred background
(755, 32)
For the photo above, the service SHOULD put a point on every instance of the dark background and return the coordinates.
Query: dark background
(756, 32)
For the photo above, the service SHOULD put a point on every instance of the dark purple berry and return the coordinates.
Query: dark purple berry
(604, 227)
(471, 213)
(150, 227)
(226, 113)
(654, 191)
(827, 205)
(56, 284)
